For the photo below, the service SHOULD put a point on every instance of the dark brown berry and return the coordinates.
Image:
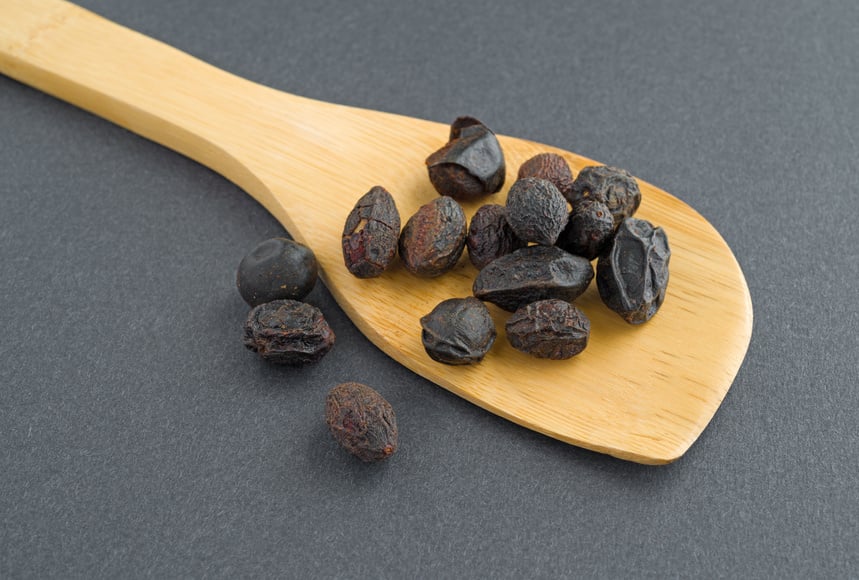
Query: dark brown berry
(370, 234)
(614, 187)
(632, 275)
(461, 123)
(590, 228)
(470, 165)
(288, 332)
(490, 236)
(276, 269)
(361, 421)
(459, 331)
(536, 211)
(433, 239)
(551, 167)
(531, 274)
(553, 329)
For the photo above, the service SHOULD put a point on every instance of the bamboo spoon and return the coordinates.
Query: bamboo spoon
(639, 393)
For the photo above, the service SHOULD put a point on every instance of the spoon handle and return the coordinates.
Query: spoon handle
(141, 84)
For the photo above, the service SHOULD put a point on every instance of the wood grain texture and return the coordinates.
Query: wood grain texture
(639, 393)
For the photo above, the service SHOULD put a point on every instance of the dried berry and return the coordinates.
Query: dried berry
(616, 188)
(361, 421)
(370, 234)
(551, 167)
(531, 274)
(536, 210)
(276, 269)
(433, 239)
(632, 274)
(461, 123)
(288, 332)
(552, 329)
(590, 228)
(459, 331)
(490, 236)
(471, 164)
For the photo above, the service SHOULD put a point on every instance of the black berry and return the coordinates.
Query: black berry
(470, 165)
(553, 329)
(614, 187)
(531, 274)
(433, 239)
(490, 236)
(288, 332)
(458, 331)
(632, 274)
(590, 228)
(536, 210)
(277, 269)
(361, 421)
(370, 234)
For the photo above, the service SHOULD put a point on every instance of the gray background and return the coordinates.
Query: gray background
(139, 439)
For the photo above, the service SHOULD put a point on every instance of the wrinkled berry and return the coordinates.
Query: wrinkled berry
(288, 332)
(536, 211)
(370, 234)
(531, 274)
(632, 274)
(276, 269)
(361, 421)
(458, 331)
(433, 239)
(490, 236)
(551, 167)
(470, 165)
(590, 228)
(553, 329)
(614, 187)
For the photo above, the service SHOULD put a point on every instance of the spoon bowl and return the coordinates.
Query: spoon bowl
(642, 393)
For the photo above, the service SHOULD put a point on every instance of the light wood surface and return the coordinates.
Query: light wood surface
(639, 393)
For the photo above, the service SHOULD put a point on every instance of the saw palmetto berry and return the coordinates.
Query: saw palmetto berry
(536, 211)
(553, 329)
(531, 274)
(361, 421)
(433, 239)
(632, 274)
(614, 187)
(490, 236)
(471, 164)
(551, 167)
(277, 269)
(371, 233)
(288, 332)
(458, 331)
(589, 229)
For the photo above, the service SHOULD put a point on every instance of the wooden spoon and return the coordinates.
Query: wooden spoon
(640, 393)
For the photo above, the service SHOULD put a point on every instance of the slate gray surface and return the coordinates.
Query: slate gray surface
(140, 440)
